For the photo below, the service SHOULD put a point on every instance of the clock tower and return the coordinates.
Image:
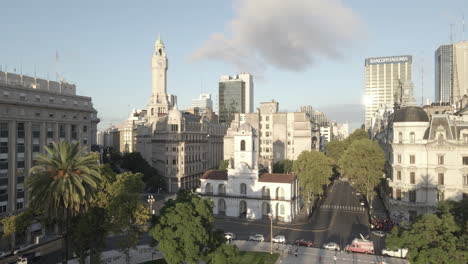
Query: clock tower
(159, 103)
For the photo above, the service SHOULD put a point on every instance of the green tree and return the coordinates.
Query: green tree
(314, 170)
(283, 166)
(224, 254)
(223, 165)
(16, 224)
(335, 149)
(431, 239)
(185, 229)
(63, 183)
(135, 163)
(358, 134)
(363, 163)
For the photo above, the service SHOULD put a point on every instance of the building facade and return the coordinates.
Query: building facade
(34, 113)
(203, 102)
(443, 73)
(180, 145)
(235, 96)
(281, 135)
(383, 76)
(244, 191)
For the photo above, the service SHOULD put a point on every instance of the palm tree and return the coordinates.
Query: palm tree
(63, 183)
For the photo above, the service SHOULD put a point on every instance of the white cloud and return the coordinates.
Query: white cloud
(290, 35)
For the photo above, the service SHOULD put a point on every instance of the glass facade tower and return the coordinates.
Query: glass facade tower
(232, 99)
(443, 73)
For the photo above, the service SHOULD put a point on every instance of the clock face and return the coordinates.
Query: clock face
(160, 62)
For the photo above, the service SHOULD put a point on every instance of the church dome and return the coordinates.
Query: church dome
(411, 114)
(174, 114)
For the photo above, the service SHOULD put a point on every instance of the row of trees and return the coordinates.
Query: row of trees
(357, 157)
(68, 187)
(436, 238)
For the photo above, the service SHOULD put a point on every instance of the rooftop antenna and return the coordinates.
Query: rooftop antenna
(422, 80)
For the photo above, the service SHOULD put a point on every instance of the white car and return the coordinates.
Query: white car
(399, 252)
(257, 237)
(279, 239)
(229, 236)
(332, 246)
(378, 233)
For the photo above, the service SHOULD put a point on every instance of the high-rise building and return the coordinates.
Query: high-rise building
(235, 96)
(451, 72)
(383, 77)
(34, 113)
(202, 102)
(443, 73)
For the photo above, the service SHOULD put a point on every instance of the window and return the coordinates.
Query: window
(465, 138)
(243, 189)
(440, 196)
(22, 97)
(398, 194)
(412, 177)
(465, 160)
(400, 137)
(19, 205)
(440, 179)
(51, 99)
(74, 132)
(399, 175)
(267, 126)
(50, 132)
(279, 193)
(36, 130)
(20, 147)
(208, 188)
(265, 192)
(242, 145)
(222, 189)
(267, 118)
(282, 209)
(2, 208)
(399, 158)
(3, 164)
(440, 160)
(85, 128)
(3, 147)
(62, 131)
(412, 159)
(4, 130)
(267, 134)
(412, 138)
(412, 196)
(38, 98)
(174, 162)
(465, 180)
(20, 130)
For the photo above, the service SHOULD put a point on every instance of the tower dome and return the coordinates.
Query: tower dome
(411, 114)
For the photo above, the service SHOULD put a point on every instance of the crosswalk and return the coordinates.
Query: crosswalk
(342, 207)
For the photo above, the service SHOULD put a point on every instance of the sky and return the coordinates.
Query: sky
(300, 52)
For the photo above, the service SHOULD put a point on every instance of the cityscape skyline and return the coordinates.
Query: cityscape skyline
(134, 47)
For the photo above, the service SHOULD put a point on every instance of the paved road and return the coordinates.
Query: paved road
(314, 255)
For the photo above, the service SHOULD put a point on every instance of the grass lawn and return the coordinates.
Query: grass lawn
(247, 257)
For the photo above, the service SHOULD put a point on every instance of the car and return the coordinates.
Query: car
(4, 254)
(332, 246)
(229, 236)
(279, 239)
(378, 233)
(304, 243)
(257, 237)
(23, 248)
(399, 252)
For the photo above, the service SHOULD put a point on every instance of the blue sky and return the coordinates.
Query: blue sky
(105, 47)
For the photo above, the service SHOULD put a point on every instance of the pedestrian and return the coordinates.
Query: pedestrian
(295, 252)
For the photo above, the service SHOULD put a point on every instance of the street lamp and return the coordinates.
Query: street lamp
(151, 201)
(271, 232)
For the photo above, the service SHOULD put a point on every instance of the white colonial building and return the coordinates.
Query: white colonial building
(244, 191)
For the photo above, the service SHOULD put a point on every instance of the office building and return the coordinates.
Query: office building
(235, 96)
(34, 113)
(203, 102)
(383, 77)
(443, 73)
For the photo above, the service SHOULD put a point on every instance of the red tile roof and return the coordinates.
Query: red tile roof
(215, 175)
(277, 177)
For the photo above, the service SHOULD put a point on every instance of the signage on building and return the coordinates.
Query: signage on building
(386, 60)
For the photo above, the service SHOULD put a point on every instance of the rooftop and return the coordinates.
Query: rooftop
(277, 177)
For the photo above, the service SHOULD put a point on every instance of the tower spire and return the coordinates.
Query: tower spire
(159, 42)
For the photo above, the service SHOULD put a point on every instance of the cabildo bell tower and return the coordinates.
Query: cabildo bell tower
(159, 103)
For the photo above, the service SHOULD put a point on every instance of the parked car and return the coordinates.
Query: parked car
(399, 252)
(23, 248)
(229, 236)
(279, 239)
(360, 246)
(28, 258)
(257, 237)
(304, 243)
(332, 246)
(378, 233)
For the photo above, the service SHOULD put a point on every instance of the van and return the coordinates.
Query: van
(360, 245)
(399, 252)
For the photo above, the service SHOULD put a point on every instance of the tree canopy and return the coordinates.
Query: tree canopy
(223, 165)
(363, 163)
(335, 149)
(431, 239)
(135, 163)
(185, 229)
(314, 170)
(283, 166)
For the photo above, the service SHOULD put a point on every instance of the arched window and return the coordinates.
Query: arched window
(221, 207)
(152, 111)
(400, 137)
(208, 188)
(243, 189)
(279, 193)
(266, 192)
(282, 209)
(160, 52)
(242, 145)
(265, 209)
(412, 138)
(222, 189)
